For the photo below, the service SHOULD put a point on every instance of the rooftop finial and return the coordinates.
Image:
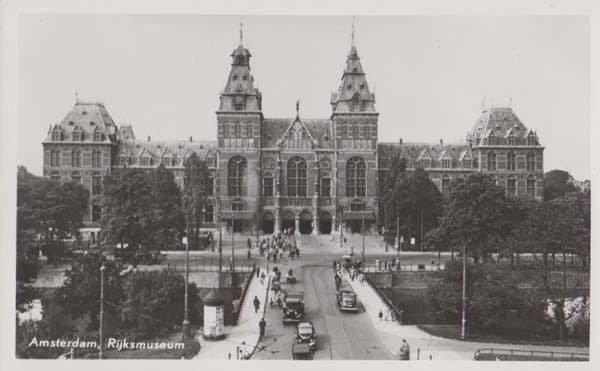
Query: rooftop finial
(483, 104)
(241, 34)
(510, 101)
(76, 96)
(353, 21)
(298, 108)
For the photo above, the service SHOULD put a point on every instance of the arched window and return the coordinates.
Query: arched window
(326, 185)
(511, 162)
(355, 103)
(530, 161)
(511, 186)
(98, 137)
(446, 184)
(236, 176)
(76, 177)
(531, 186)
(76, 158)
(296, 177)
(96, 158)
(356, 177)
(55, 158)
(77, 134)
(491, 161)
(96, 183)
(55, 175)
(268, 185)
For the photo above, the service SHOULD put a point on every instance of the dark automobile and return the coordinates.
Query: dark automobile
(306, 334)
(293, 307)
(301, 351)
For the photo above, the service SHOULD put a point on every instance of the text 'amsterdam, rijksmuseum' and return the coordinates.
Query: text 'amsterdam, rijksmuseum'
(304, 174)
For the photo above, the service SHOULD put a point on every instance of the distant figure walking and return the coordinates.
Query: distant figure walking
(404, 351)
(262, 324)
(256, 304)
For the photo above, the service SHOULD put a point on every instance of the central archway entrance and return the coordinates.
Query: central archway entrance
(268, 223)
(325, 223)
(288, 222)
(306, 221)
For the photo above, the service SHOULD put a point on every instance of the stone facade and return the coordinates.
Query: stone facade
(293, 173)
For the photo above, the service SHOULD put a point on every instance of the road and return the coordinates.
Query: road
(339, 335)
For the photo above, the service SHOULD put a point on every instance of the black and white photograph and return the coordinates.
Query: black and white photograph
(321, 187)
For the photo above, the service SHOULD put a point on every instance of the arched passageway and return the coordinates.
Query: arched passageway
(268, 223)
(306, 222)
(325, 223)
(288, 222)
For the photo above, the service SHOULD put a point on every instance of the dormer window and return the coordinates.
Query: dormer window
(98, 136)
(531, 140)
(425, 163)
(56, 134)
(466, 163)
(234, 77)
(511, 140)
(145, 161)
(492, 140)
(355, 103)
(77, 134)
(446, 163)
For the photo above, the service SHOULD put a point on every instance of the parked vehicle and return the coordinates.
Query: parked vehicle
(293, 307)
(306, 334)
(346, 298)
(301, 351)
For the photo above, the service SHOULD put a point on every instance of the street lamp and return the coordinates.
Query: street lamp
(341, 225)
(232, 243)
(102, 268)
(185, 326)
(463, 327)
(220, 234)
(363, 238)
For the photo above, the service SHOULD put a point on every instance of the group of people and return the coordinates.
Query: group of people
(276, 245)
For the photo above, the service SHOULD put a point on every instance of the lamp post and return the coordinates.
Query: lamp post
(185, 326)
(232, 243)
(363, 238)
(102, 268)
(341, 225)
(220, 235)
(463, 327)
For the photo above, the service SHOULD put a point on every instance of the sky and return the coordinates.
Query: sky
(431, 74)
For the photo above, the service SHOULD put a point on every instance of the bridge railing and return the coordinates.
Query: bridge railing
(372, 267)
(494, 353)
(212, 265)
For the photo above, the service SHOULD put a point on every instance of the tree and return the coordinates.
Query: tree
(412, 199)
(194, 195)
(153, 302)
(130, 215)
(556, 184)
(80, 294)
(169, 221)
(477, 216)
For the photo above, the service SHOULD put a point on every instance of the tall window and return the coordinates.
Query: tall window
(425, 163)
(55, 158)
(96, 213)
(96, 184)
(268, 185)
(236, 176)
(76, 158)
(492, 140)
(445, 184)
(511, 162)
(446, 163)
(326, 186)
(210, 185)
(511, 186)
(531, 186)
(530, 161)
(209, 214)
(356, 177)
(466, 163)
(76, 177)
(98, 137)
(96, 158)
(297, 177)
(491, 161)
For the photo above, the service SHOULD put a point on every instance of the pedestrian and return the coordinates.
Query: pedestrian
(262, 278)
(258, 273)
(256, 304)
(380, 315)
(275, 257)
(404, 351)
(249, 244)
(297, 252)
(262, 324)
(386, 247)
(249, 254)
(229, 356)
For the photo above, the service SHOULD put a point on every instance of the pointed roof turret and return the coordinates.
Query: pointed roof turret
(353, 95)
(239, 93)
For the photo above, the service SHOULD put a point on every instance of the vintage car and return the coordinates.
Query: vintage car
(306, 334)
(346, 298)
(293, 307)
(301, 351)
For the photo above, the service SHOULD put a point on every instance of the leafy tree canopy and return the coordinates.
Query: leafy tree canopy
(556, 184)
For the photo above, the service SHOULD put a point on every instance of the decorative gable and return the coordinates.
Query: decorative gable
(297, 136)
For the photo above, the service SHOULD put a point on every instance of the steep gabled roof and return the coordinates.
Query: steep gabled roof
(87, 116)
(499, 122)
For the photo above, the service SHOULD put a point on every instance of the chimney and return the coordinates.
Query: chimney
(441, 142)
(148, 138)
(190, 139)
(400, 140)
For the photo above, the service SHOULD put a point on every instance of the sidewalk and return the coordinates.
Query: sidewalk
(243, 336)
(423, 345)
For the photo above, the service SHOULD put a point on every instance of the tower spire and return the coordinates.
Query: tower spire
(353, 31)
(298, 108)
(241, 34)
